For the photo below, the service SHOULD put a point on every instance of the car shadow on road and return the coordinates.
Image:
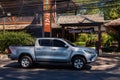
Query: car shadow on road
(45, 66)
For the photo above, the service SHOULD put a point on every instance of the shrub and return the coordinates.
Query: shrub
(92, 38)
(80, 43)
(15, 38)
(107, 39)
(86, 39)
(83, 37)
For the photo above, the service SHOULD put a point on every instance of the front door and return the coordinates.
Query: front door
(60, 51)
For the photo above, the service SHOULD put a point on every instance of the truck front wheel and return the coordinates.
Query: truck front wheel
(78, 63)
(26, 61)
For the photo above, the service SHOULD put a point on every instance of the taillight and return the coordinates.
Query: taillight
(9, 51)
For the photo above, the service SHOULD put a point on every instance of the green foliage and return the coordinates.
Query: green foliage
(83, 37)
(92, 11)
(90, 39)
(113, 34)
(107, 39)
(80, 43)
(112, 11)
(110, 8)
(88, 8)
(15, 38)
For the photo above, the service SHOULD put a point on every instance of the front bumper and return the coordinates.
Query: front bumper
(91, 58)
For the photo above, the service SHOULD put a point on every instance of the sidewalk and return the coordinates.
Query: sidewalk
(3, 56)
(106, 63)
(4, 60)
(112, 54)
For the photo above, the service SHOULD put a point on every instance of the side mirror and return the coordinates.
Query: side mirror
(66, 46)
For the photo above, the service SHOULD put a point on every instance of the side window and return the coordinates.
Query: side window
(58, 43)
(45, 42)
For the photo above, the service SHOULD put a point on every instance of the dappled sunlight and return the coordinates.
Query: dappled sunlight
(103, 67)
(105, 64)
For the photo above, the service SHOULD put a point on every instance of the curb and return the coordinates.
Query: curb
(110, 55)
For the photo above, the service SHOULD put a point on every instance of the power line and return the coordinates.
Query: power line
(36, 6)
(31, 3)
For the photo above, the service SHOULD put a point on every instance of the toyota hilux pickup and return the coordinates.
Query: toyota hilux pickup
(52, 50)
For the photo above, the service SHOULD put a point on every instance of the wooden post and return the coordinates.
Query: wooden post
(118, 39)
(99, 39)
(63, 32)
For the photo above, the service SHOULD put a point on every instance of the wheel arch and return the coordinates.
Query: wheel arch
(78, 55)
(24, 54)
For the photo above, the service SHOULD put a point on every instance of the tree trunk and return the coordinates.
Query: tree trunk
(119, 39)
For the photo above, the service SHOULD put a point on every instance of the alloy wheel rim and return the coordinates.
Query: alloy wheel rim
(78, 63)
(25, 62)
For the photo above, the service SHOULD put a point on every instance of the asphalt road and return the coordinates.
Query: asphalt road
(102, 69)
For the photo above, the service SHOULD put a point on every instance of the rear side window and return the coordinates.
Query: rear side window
(45, 42)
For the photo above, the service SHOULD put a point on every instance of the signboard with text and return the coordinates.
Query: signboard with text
(82, 30)
(47, 21)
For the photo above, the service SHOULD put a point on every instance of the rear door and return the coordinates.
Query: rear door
(43, 51)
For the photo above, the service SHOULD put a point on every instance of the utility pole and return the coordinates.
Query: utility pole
(3, 13)
(4, 22)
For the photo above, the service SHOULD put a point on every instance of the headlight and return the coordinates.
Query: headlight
(89, 52)
(80, 52)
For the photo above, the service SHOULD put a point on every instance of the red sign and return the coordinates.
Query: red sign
(47, 25)
(46, 4)
(47, 21)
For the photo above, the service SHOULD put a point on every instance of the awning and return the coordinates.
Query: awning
(113, 25)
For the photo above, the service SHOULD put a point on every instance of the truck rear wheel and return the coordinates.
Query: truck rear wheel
(78, 63)
(26, 62)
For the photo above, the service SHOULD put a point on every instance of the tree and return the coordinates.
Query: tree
(111, 9)
(88, 6)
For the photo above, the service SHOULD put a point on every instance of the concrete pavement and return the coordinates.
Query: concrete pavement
(105, 68)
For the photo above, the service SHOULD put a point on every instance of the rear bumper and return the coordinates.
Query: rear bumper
(12, 57)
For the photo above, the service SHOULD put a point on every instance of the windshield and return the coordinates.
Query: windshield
(69, 42)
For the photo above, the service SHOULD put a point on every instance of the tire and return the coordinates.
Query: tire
(78, 63)
(26, 62)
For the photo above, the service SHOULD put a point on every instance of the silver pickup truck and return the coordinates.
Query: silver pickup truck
(52, 50)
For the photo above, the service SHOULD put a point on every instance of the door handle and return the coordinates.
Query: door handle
(38, 48)
(53, 49)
